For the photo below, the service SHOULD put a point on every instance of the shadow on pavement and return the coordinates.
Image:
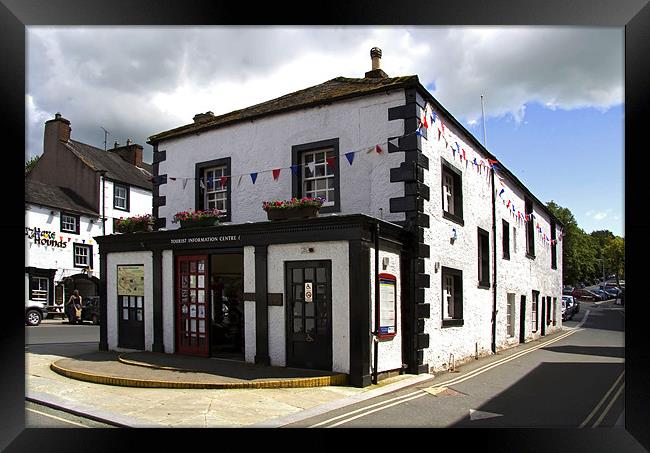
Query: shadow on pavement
(562, 393)
(602, 351)
(68, 350)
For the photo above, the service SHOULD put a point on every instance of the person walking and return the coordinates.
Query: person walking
(73, 308)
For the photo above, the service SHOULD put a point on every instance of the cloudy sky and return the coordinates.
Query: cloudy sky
(553, 95)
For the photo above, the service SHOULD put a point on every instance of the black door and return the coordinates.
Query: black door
(522, 320)
(308, 288)
(544, 316)
(131, 322)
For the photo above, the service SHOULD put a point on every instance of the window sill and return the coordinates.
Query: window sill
(120, 209)
(453, 218)
(69, 232)
(483, 286)
(452, 322)
(506, 258)
(528, 255)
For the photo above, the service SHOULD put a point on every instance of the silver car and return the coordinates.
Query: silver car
(35, 312)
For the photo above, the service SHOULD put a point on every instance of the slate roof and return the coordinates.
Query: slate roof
(117, 169)
(336, 89)
(56, 197)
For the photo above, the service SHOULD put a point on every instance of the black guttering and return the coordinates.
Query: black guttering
(411, 173)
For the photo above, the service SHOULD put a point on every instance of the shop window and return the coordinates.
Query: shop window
(83, 255)
(452, 297)
(39, 289)
(214, 186)
(483, 259)
(69, 223)
(317, 173)
(452, 193)
(121, 197)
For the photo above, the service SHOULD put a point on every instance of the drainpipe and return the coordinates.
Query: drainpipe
(494, 267)
(375, 333)
(103, 176)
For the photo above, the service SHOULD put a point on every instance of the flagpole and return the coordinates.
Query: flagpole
(484, 130)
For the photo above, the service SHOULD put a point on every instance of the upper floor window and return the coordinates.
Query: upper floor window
(213, 189)
(69, 223)
(83, 255)
(505, 238)
(452, 193)
(483, 258)
(530, 230)
(121, 197)
(318, 173)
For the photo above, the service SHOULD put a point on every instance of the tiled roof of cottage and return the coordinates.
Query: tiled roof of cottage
(116, 168)
(336, 89)
(56, 197)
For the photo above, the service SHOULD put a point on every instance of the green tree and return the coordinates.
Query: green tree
(614, 253)
(31, 163)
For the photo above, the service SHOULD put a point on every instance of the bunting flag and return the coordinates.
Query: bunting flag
(464, 155)
(184, 183)
(508, 205)
(276, 174)
(378, 149)
(312, 167)
(330, 162)
(501, 193)
(294, 169)
(475, 163)
(349, 157)
(424, 122)
(439, 133)
(433, 117)
(201, 184)
(223, 181)
(239, 180)
(254, 177)
(173, 179)
(492, 162)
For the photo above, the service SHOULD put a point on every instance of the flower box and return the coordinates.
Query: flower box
(197, 219)
(293, 209)
(135, 224)
(292, 213)
(199, 223)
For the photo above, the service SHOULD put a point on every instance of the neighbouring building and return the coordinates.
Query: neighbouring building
(428, 252)
(74, 193)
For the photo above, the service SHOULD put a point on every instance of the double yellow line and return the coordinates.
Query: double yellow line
(367, 410)
(602, 401)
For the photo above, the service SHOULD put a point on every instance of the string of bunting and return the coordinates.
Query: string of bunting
(458, 150)
(331, 162)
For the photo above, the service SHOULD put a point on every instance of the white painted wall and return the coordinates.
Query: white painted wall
(520, 275)
(169, 326)
(266, 143)
(54, 257)
(128, 258)
(390, 351)
(249, 307)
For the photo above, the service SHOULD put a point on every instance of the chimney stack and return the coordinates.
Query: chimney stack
(131, 152)
(376, 72)
(56, 130)
(203, 117)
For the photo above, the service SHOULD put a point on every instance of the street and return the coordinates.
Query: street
(575, 379)
(37, 415)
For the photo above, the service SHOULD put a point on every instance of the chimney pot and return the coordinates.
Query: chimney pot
(376, 72)
(116, 145)
(57, 115)
(128, 141)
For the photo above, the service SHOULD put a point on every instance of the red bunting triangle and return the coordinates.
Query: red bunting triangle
(223, 181)
(330, 162)
(276, 174)
(378, 149)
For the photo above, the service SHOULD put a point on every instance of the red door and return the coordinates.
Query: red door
(192, 305)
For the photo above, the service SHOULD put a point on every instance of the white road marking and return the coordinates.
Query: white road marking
(602, 401)
(478, 415)
(609, 406)
(55, 417)
(421, 392)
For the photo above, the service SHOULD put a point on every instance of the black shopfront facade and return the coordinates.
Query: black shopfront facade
(211, 257)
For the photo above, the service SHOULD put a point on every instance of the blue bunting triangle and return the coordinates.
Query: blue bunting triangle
(254, 177)
(294, 169)
(350, 157)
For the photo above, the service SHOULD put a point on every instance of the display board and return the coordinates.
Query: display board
(130, 280)
(387, 306)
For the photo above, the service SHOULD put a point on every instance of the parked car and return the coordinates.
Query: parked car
(583, 294)
(35, 312)
(568, 289)
(568, 307)
(613, 291)
(604, 295)
(90, 310)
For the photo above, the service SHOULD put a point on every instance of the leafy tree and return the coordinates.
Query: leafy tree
(29, 165)
(614, 253)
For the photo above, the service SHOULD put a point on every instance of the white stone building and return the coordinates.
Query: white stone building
(72, 187)
(401, 176)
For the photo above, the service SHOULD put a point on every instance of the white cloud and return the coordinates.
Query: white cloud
(138, 81)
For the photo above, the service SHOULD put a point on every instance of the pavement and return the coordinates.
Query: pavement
(143, 389)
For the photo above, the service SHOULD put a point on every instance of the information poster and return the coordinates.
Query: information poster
(130, 280)
(387, 305)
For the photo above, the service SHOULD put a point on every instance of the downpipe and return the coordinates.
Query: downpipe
(375, 333)
(494, 267)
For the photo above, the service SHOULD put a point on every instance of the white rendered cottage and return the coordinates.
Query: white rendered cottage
(72, 187)
(421, 225)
